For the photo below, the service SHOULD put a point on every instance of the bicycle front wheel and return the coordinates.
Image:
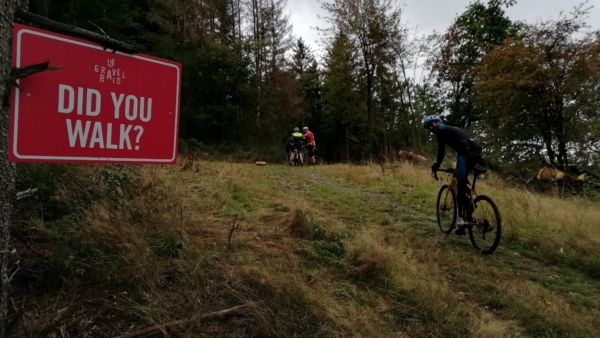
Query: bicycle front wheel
(446, 209)
(486, 225)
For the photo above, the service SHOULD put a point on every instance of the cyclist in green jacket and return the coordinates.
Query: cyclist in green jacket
(298, 141)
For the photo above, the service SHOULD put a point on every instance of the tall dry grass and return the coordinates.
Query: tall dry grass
(160, 234)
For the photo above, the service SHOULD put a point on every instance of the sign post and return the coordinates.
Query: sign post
(102, 107)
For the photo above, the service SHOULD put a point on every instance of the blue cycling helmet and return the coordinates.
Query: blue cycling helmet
(429, 119)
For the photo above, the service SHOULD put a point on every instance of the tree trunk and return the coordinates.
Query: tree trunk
(369, 110)
(239, 13)
(410, 105)
(347, 146)
(7, 170)
(549, 149)
(546, 131)
(385, 143)
(563, 156)
(407, 120)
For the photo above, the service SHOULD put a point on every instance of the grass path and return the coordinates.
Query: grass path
(332, 251)
(542, 296)
(399, 275)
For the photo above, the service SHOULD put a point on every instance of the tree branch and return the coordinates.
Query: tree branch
(27, 193)
(233, 227)
(234, 311)
(38, 20)
(23, 72)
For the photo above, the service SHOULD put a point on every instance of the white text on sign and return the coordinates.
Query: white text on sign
(109, 73)
(89, 134)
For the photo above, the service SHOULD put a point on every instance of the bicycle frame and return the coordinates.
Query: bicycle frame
(453, 183)
(298, 156)
(478, 223)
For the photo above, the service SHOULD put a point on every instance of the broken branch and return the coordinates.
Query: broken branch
(23, 72)
(233, 226)
(234, 311)
(27, 193)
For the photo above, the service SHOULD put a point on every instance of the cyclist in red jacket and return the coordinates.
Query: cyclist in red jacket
(309, 138)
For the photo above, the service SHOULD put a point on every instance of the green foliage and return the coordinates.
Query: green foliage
(122, 20)
(320, 233)
(372, 41)
(182, 146)
(166, 244)
(222, 85)
(471, 36)
(243, 90)
(330, 252)
(342, 119)
(541, 93)
(93, 262)
(66, 189)
(278, 207)
(328, 247)
(215, 93)
(351, 293)
(297, 317)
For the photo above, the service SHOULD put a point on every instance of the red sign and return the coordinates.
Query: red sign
(102, 107)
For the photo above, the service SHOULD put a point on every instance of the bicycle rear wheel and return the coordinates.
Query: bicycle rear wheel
(486, 226)
(318, 158)
(447, 209)
(305, 157)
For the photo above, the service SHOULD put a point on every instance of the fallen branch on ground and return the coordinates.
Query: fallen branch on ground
(234, 311)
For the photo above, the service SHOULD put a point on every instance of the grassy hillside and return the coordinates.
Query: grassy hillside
(331, 251)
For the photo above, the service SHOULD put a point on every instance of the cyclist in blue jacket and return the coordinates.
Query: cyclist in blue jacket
(468, 154)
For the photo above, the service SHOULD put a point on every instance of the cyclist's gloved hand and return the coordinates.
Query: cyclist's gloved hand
(435, 167)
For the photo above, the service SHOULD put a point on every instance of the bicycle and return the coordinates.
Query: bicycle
(318, 159)
(482, 214)
(297, 158)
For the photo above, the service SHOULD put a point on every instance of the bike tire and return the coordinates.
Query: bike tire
(478, 237)
(442, 209)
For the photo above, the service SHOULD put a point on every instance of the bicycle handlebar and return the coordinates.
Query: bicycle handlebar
(449, 171)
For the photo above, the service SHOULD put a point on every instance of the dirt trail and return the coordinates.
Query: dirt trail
(372, 197)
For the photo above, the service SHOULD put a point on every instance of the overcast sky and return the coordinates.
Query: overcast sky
(430, 15)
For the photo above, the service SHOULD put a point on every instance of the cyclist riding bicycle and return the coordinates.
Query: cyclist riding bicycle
(309, 138)
(297, 145)
(468, 154)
